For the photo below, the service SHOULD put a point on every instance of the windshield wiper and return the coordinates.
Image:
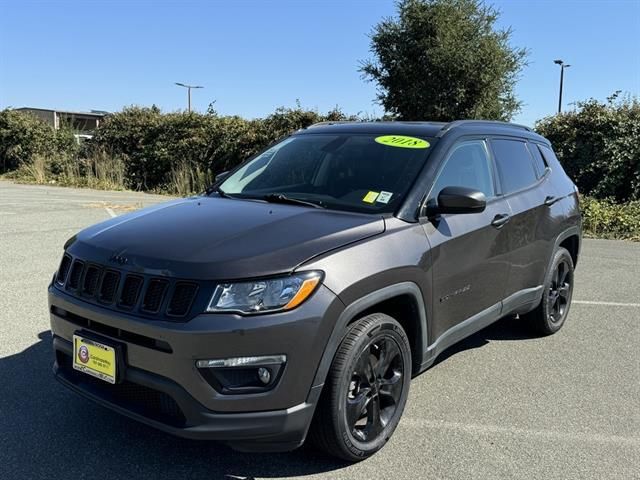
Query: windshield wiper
(282, 198)
(219, 191)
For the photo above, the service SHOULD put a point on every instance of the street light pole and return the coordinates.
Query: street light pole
(188, 87)
(562, 67)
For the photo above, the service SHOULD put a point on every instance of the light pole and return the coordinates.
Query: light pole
(188, 87)
(562, 67)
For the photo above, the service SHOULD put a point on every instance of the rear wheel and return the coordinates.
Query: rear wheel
(552, 312)
(366, 389)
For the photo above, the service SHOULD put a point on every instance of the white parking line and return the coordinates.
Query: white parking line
(609, 304)
(496, 429)
(110, 212)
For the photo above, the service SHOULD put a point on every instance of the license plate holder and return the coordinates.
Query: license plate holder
(95, 356)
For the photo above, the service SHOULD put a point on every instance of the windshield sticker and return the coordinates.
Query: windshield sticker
(370, 197)
(402, 141)
(384, 197)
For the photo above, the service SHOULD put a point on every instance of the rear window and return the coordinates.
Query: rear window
(515, 164)
(549, 157)
(538, 161)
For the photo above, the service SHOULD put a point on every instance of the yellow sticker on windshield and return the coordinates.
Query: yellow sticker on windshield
(370, 197)
(402, 141)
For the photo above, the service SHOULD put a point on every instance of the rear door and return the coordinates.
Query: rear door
(526, 186)
(468, 251)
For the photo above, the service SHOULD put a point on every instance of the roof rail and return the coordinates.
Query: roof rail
(333, 122)
(459, 123)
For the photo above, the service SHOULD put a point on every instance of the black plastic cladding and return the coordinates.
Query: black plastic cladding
(148, 296)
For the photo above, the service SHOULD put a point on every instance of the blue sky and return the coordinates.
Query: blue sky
(253, 56)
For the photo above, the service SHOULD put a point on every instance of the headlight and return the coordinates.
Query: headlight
(265, 295)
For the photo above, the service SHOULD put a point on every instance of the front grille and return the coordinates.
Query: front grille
(91, 279)
(182, 298)
(145, 401)
(63, 271)
(136, 293)
(154, 294)
(130, 291)
(109, 286)
(75, 275)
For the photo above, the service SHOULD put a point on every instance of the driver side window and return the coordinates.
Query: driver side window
(467, 165)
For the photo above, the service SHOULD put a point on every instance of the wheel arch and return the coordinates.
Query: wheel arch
(399, 298)
(570, 239)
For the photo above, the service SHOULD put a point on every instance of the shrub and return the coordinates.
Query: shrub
(24, 136)
(598, 146)
(608, 219)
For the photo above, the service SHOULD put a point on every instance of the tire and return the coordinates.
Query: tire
(366, 389)
(550, 315)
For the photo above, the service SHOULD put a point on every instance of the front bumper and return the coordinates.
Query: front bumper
(162, 387)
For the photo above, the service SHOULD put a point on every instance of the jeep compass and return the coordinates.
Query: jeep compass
(301, 293)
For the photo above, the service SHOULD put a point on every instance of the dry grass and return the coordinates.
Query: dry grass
(187, 179)
(105, 172)
(100, 171)
(37, 170)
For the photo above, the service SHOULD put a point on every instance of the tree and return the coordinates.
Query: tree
(444, 60)
(598, 147)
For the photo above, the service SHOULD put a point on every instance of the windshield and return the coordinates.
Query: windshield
(358, 173)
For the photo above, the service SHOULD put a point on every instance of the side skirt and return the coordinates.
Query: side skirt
(519, 302)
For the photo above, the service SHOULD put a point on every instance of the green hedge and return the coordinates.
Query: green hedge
(608, 219)
(24, 136)
(154, 144)
(598, 145)
(156, 149)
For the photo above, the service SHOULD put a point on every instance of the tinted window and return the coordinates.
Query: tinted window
(548, 155)
(538, 161)
(514, 164)
(343, 171)
(467, 165)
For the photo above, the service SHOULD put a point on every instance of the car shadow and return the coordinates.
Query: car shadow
(507, 328)
(49, 432)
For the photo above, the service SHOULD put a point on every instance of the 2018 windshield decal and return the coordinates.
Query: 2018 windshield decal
(402, 141)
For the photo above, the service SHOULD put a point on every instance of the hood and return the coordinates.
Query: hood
(212, 238)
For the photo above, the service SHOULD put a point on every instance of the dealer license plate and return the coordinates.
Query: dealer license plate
(94, 358)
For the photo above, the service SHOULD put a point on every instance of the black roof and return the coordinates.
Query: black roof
(425, 129)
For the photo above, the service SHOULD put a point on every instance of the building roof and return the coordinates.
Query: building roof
(92, 113)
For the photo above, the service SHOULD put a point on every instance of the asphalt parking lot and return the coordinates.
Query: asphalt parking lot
(502, 404)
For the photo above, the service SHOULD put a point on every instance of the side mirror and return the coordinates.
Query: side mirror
(460, 200)
(221, 176)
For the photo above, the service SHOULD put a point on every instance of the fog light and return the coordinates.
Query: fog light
(264, 375)
(243, 375)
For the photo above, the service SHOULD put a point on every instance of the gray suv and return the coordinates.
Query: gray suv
(302, 292)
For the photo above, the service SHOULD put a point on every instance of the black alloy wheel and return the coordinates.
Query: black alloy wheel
(375, 389)
(549, 316)
(559, 291)
(366, 389)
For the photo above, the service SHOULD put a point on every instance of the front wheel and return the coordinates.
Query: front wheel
(366, 389)
(552, 312)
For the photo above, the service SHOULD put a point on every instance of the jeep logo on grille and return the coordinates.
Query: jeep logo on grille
(119, 259)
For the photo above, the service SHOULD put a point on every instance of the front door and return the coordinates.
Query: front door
(469, 252)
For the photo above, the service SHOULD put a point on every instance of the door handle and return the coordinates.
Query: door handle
(550, 200)
(500, 219)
